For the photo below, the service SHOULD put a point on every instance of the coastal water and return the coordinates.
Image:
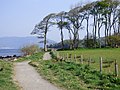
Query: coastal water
(10, 52)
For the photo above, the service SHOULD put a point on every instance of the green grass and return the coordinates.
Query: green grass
(53, 72)
(110, 54)
(6, 81)
(71, 75)
(36, 56)
(95, 54)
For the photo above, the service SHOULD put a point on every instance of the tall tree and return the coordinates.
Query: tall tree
(70, 35)
(118, 31)
(104, 14)
(42, 28)
(61, 24)
(110, 9)
(86, 10)
(75, 18)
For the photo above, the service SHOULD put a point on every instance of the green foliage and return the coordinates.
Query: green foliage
(74, 76)
(114, 40)
(35, 57)
(54, 72)
(6, 82)
(105, 13)
(70, 76)
(90, 43)
(61, 24)
(102, 4)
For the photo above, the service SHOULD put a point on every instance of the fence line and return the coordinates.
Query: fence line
(102, 63)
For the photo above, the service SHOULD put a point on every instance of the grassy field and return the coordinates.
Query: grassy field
(6, 72)
(71, 75)
(95, 54)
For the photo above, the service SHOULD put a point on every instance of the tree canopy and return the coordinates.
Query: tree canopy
(98, 18)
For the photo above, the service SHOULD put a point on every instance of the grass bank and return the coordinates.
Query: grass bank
(6, 80)
(34, 57)
(75, 76)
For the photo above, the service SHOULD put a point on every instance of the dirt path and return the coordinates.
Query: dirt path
(29, 79)
(47, 56)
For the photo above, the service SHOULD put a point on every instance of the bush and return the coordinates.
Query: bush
(30, 49)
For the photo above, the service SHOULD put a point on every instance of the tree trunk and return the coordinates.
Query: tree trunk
(109, 21)
(74, 41)
(70, 37)
(114, 28)
(106, 31)
(87, 29)
(99, 38)
(62, 41)
(118, 24)
(45, 42)
(77, 41)
(99, 27)
(95, 30)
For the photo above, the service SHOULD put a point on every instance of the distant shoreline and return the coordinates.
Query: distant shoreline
(10, 52)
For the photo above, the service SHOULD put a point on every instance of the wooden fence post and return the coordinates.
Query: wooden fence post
(101, 65)
(116, 68)
(81, 59)
(57, 55)
(70, 57)
(63, 58)
(67, 56)
(89, 61)
(75, 58)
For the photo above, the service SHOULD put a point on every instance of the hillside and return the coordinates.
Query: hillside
(18, 42)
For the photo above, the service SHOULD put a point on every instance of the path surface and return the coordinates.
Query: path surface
(47, 56)
(29, 79)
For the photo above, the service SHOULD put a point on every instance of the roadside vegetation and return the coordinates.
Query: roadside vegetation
(30, 49)
(71, 75)
(6, 67)
(6, 73)
(34, 57)
(29, 52)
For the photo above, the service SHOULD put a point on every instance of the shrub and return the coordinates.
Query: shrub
(30, 49)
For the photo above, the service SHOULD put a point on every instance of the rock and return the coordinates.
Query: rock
(1, 68)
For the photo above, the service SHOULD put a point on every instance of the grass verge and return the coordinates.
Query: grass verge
(74, 76)
(35, 57)
(6, 80)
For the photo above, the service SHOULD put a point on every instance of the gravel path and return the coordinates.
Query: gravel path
(29, 79)
(47, 56)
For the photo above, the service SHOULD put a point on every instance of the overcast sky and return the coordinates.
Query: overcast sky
(18, 17)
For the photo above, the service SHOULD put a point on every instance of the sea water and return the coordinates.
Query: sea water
(10, 52)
